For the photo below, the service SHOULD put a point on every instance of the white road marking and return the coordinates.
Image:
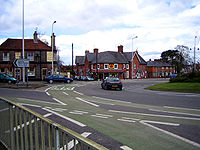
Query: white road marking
(32, 121)
(99, 116)
(105, 103)
(71, 143)
(126, 120)
(62, 88)
(77, 112)
(47, 90)
(105, 116)
(78, 93)
(158, 122)
(172, 134)
(59, 101)
(131, 118)
(181, 108)
(29, 105)
(175, 112)
(65, 93)
(78, 98)
(66, 118)
(25, 99)
(154, 115)
(126, 148)
(106, 99)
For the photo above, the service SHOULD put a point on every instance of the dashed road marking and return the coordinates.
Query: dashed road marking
(78, 98)
(77, 112)
(126, 120)
(59, 101)
(105, 116)
(106, 99)
(66, 118)
(65, 93)
(181, 108)
(126, 148)
(163, 123)
(71, 143)
(78, 93)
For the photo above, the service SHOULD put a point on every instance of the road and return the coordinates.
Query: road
(135, 92)
(110, 113)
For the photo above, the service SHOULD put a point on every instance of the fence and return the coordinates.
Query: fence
(23, 129)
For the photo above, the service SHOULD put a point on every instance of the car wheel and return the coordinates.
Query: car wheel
(68, 81)
(9, 81)
(105, 87)
(50, 81)
(120, 88)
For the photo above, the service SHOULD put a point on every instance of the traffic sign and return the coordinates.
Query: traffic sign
(21, 63)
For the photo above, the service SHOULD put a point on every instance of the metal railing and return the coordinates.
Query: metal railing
(23, 129)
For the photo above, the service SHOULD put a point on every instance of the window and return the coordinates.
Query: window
(92, 66)
(6, 56)
(127, 66)
(17, 55)
(98, 66)
(30, 56)
(166, 67)
(124, 66)
(127, 74)
(106, 66)
(115, 66)
(134, 66)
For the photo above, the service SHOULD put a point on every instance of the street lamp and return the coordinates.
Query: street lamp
(52, 47)
(195, 38)
(132, 53)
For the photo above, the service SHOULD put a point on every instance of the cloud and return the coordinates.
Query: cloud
(105, 24)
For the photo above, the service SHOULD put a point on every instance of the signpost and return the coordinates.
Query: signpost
(20, 63)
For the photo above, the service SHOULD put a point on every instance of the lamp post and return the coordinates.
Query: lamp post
(132, 53)
(23, 69)
(52, 47)
(195, 38)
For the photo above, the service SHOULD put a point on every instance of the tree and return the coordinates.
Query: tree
(175, 58)
(185, 51)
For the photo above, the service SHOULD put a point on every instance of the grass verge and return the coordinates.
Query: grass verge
(180, 87)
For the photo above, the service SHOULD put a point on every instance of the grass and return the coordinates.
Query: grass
(180, 87)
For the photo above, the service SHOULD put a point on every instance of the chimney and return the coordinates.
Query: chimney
(120, 49)
(35, 39)
(87, 51)
(96, 50)
(54, 46)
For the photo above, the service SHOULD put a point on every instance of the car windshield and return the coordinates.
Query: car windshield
(113, 79)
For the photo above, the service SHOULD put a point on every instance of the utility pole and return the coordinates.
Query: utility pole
(72, 59)
(23, 69)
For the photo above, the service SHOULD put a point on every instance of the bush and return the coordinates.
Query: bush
(189, 77)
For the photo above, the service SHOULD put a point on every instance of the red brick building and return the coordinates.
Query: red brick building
(157, 69)
(38, 53)
(120, 64)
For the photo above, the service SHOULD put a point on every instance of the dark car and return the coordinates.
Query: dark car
(111, 82)
(58, 78)
(7, 79)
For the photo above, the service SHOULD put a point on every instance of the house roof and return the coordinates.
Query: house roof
(109, 57)
(106, 57)
(158, 64)
(29, 44)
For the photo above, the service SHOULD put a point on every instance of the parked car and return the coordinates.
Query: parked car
(173, 75)
(58, 78)
(111, 82)
(87, 78)
(7, 79)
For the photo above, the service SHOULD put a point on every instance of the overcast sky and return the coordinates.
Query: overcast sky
(105, 24)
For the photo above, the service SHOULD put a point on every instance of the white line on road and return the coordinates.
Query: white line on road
(106, 99)
(71, 143)
(99, 116)
(78, 93)
(126, 148)
(65, 93)
(78, 98)
(154, 115)
(163, 123)
(172, 134)
(182, 108)
(29, 105)
(37, 101)
(66, 118)
(180, 113)
(126, 120)
(59, 101)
